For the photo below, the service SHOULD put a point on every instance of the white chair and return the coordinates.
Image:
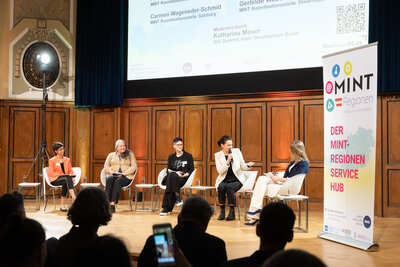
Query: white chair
(164, 173)
(250, 178)
(189, 182)
(289, 191)
(103, 176)
(291, 187)
(160, 178)
(248, 184)
(77, 171)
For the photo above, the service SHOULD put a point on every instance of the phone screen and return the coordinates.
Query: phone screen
(164, 243)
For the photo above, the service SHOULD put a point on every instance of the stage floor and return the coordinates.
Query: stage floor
(135, 227)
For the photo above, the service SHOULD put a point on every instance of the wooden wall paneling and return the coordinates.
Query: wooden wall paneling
(194, 133)
(104, 125)
(58, 128)
(23, 144)
(81, 143)
(391, 157)
(212, 174)
(165, 129)
(221, 121)
(251, 133)
(378, 210)
(137, 132)
(283, 128)
(4, 129)
(312, 134)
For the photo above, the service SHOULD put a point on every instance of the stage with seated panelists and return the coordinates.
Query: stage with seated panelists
(134, 228)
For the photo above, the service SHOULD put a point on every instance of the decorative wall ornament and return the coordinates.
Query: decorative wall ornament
(43, 9)
(25, 81)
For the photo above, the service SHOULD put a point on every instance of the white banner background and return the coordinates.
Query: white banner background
(350, 101)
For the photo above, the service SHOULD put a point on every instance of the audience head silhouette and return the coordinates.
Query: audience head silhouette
(293, 257)
(91, 208)
(11, 204)
(104, 251)
(22, 243)
(197, 210)
(275, 228)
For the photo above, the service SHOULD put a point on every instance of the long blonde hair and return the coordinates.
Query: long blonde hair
(298, 150)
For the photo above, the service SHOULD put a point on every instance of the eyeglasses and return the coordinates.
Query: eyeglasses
(180, 144)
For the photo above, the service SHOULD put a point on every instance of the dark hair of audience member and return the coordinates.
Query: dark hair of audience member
(276, 224)
(223, 139)
(10, 204)
(293, 257)
(104, 251)
(198, 210)
(22, 243)
(91, 208)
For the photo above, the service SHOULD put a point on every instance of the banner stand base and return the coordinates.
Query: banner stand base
(349, 241)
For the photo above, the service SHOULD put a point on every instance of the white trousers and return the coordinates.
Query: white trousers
(262, 185)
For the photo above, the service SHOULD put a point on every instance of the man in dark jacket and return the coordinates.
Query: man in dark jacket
(275, 229)
(199, 248)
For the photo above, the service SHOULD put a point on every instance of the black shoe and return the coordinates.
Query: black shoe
(63, 209)
(231, 215)
(222, 214)
(112, 207)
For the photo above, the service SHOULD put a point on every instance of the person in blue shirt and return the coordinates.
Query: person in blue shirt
(299, 165)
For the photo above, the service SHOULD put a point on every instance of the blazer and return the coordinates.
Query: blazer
(128, 164)
(300, 167)
(238, 166)
(55, 170)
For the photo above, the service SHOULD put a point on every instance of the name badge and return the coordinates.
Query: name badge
(58, 164)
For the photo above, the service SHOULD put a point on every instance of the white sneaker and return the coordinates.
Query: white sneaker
(179, 203)
(164, 213)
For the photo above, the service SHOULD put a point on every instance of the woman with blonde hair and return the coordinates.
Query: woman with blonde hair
(299, 165)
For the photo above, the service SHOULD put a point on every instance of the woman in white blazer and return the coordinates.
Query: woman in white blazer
(230, 166)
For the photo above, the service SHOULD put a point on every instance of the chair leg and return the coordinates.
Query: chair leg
(237, 204)
(54, 200)
(215, 202)
(158, 198)
(45, 203)
(151, 198)
(129, 196)
(136, 196)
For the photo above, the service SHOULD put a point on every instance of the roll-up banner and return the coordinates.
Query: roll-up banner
(350, 102)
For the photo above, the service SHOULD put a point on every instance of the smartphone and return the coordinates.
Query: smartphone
(164, 244)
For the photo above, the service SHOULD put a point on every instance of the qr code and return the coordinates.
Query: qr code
(351, 18)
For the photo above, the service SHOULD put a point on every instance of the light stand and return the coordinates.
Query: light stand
(42, 63)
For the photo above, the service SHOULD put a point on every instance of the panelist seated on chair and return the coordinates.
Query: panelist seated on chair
(230, 166)
(120, 167)
(299, 165)
(180, 166)
(60, 173)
